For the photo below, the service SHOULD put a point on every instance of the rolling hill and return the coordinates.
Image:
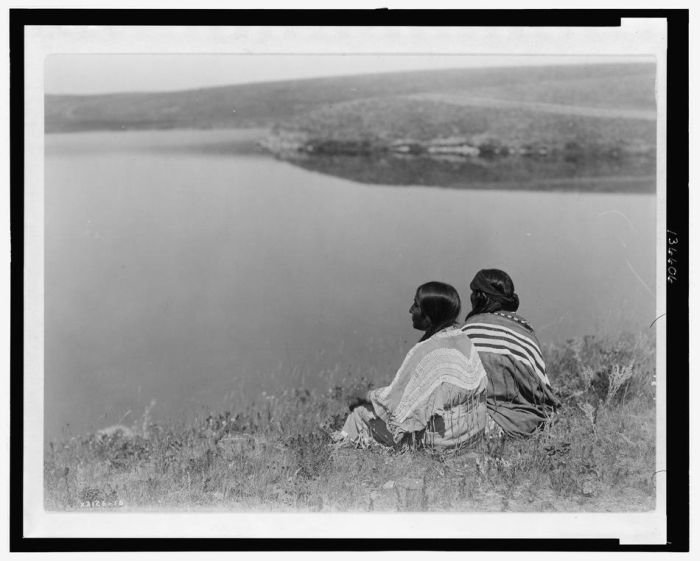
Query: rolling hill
(617, 86)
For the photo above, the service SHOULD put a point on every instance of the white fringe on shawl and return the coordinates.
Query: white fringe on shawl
(433, 374)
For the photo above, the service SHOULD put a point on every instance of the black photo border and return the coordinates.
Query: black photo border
(677, 292)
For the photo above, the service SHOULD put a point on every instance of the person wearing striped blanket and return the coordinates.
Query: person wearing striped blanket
(437, 398)
(519, 396)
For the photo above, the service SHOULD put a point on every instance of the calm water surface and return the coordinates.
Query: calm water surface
(198, 277)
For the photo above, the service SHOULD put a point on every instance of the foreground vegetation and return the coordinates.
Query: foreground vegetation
(276, 454)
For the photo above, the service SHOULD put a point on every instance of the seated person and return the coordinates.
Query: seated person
(519, 398)
(437, 398)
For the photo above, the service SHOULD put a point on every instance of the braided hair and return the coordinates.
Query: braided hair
(492, 291)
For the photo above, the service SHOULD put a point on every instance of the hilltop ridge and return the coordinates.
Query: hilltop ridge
(269, 103)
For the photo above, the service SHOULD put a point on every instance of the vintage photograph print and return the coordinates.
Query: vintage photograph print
(344, 271)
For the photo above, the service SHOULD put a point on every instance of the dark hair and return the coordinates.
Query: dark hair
(440, 303)
(492, 291)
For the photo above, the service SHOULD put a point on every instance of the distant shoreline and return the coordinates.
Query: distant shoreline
(552, 172)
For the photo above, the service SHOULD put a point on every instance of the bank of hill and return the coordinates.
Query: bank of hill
(604, 108)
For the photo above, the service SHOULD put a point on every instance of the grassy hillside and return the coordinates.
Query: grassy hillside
(265, 104)
(381, 122)
(276, 454)
(632, 89)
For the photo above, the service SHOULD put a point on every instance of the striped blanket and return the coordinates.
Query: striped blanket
(440, 389)
(519, 396)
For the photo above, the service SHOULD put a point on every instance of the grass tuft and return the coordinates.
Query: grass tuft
(598, 454)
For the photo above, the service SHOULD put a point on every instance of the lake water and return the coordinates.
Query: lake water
(184, 268)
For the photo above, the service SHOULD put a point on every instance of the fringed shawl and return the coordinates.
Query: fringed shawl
(438, 377)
